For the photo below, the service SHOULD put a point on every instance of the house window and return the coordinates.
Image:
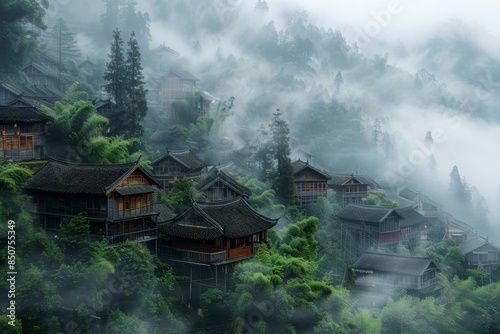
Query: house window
(126, 204)
(236, 243)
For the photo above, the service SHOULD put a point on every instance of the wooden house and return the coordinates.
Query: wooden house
(207, 240)
(310, 184)
(384, 273)
(422, 203)
(481, 254)
(217, 186)
(175, 86)
(221, 232)
(176, 164)
(40, 74)
(118, 199)
(22, 134)
(349, 189)
(371, 226)
(33, 95)
(105, 107)
(163, 58)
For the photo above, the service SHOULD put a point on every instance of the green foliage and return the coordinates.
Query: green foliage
(216, 307)
(119, 323)
(274, 160)
(18, 40)
(35, 290)
(413, 315)
(449, 257)
(136, 104)
(76, 134)
(377, 197)
(12, 200)
(73, 236)
(299, 240)
(5, 327)
(182, 195)
(136, 271)
(125, 82)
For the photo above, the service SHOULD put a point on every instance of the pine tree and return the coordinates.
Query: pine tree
(338, 81)
(429, 142)
(137, 104)
(376, 134)
(282, 180)
(61, 43)
(116, 76)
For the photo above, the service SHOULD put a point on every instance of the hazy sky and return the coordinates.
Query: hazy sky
(473, 145)
(408, 19)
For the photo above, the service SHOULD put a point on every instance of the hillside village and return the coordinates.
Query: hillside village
(134, 213)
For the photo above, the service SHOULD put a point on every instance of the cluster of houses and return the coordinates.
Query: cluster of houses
(208, 238)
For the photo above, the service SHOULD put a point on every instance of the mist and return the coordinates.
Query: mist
(385, 45)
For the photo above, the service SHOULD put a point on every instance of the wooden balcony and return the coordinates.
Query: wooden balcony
(190, 255)
(139, 236)
(131, 213)
(241, 251)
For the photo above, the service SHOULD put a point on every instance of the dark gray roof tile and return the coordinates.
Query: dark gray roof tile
(393, 263)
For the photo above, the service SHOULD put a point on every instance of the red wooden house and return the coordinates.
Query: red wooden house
(214, 233)
(22, 134)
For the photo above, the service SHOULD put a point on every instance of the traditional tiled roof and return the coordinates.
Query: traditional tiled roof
(165, 214)
(184, 75)
(411, 216)
(338, 179)
(32, 90)
(474, 243)
(393, 264)
(366, 213)
(40, 68)
(101, 103)
(36, 102)
(186, 158)
(408, 193)
(22, 114)
(75, 178)
(165, 48)
(233, 168)
(231, 219)
(135, 189)
(417, 197)
(299, 165)
(215, 175)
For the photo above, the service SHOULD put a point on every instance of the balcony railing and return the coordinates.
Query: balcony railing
(91, 213)
(66, 211)
(119, 214)
(189, 255)
(427, 283)
(139, 236)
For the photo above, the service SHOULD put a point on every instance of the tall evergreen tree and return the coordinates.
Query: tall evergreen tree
(460, 189)
(429, 142)
(61, 43)
(136, 93)
(116, 77)
(282, 178)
